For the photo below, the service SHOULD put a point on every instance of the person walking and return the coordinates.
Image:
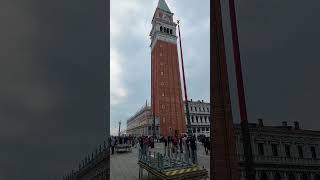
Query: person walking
(132, 141)
(180, 144)
(185, 148)
(169, 146)
(113, 142)
(207, 145)
(141, 145)
(146, 145)
(193, 149)
(175, 145)
(165, 146)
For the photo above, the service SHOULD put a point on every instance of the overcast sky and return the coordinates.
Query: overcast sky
(131, 55)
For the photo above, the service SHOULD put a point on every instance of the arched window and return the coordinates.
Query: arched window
(277, 176)
(291, 177)
(317, 177)
(167, 30)
(170, 31)
(264, 176)
(161, 28)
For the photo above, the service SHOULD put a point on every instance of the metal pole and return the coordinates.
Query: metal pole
(185, 86)
(241, 94)
(119, 128)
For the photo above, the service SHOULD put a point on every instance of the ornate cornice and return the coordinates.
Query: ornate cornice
(163, 37)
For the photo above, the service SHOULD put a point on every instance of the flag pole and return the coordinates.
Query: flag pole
(184, 85)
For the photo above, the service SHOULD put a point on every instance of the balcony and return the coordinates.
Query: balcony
(283, 160)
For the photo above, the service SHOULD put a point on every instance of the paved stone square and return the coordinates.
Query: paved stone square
(123, 166)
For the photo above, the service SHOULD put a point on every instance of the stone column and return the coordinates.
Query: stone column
(258, 175)
(254, 149)
(312, 176)
(271, 174)
(285, 175)
(298, 176)
(243, 174)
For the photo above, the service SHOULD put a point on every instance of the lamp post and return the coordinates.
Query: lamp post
(119, 128)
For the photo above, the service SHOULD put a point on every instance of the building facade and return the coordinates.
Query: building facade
(199, 117)
(281, 152)
(141, 123)
(166, 94)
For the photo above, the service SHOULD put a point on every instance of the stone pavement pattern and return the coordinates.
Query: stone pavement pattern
(123, 166)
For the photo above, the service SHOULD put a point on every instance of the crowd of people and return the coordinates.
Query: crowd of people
(205, 142)
(186, 145)
(183, 144)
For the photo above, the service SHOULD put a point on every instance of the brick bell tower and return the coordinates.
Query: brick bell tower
(166, 95)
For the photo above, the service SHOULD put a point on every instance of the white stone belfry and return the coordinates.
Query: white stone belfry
(163, 26)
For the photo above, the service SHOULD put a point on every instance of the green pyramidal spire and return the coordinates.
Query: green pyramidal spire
(163, 6)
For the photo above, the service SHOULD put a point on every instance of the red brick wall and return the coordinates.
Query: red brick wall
(164, 58)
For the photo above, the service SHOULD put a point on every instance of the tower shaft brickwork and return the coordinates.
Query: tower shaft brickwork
(166, 100)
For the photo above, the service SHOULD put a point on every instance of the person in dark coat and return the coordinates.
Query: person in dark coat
(165, 140)
(141, 143)
(180, 144)
(193, 146)
(113, 143)
(207, 145)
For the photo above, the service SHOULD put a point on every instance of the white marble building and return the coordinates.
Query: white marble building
(199, 117)
(141, 123)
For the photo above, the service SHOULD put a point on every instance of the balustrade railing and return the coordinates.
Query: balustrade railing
(283, 160)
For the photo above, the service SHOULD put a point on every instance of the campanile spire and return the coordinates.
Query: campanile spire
(163, 6)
